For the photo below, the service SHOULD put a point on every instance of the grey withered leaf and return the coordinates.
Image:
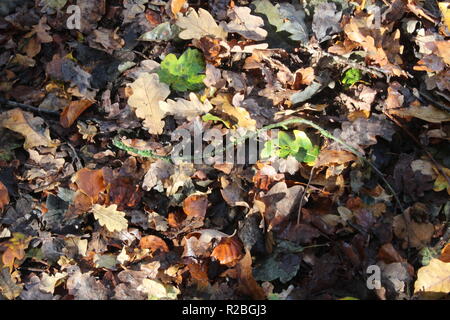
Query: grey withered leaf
(326, 21)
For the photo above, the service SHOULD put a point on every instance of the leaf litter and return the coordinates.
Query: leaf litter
(357, 176)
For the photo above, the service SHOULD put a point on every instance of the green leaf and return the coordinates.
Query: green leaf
(183, 74)
(351, 76)
(299, 146)
(211, 117)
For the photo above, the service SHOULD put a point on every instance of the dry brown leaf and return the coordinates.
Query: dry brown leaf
(197, 25)
(229, 251)
(185, 109)
(71, 113)
(4, 196)
(28, 126)
(445, 253)
(418, 234)
(153, 243)
(247, 283)
(15, 249)
(434, 279)
(148, 92)
(331, 157)
(303, 76)
(247, 25)
(90, 182)
(196, 205)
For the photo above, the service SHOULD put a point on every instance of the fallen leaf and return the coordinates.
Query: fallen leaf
(433, 280)
(28, 126)
(247, 283)
(4, 196)
(90, 182)
(247, 25)
(185, 109)
(8, 287)
(156, 290)
(71, 113)
(229, 251)
(148, 92)
(418, 234)
(110, 218)
(153, 243)
(197, 25)
(195, 205)
(176, 6)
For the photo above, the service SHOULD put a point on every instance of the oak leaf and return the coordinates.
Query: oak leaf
(110, 218)
(148, 91)
(197, 25)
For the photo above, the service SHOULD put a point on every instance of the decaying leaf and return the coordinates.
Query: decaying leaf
(8, 286)
(110, 218)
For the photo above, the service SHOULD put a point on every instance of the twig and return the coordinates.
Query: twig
(300, 215)
(27, 107)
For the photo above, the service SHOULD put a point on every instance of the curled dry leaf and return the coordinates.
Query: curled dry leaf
(247, 283)
(196, 205)
(153, 243)
(71, 113)
(229, 251)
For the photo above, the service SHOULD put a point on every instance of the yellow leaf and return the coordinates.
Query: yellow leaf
(110, 218)
(441, 182)
(176, 6)
(444, 7)
(434, 279)
(241, 115)
(197, 25)
(148, 91)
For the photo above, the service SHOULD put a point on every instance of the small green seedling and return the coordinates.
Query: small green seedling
(299, 146)
(351, 76)
(183, 73)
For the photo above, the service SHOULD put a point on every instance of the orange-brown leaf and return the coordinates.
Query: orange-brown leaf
(229, 251)
(90, 182)
(71, 113)
(153, 243)
(4, 196)
(196, 205)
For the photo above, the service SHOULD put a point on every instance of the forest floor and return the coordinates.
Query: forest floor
(341, 109)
